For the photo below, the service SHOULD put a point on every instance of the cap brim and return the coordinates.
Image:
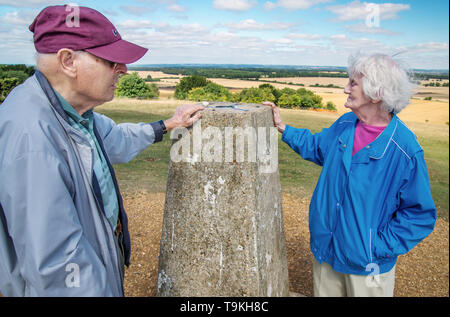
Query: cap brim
(121, 51)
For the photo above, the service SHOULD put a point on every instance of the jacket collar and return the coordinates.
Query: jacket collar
(51, 95)
(377, 148)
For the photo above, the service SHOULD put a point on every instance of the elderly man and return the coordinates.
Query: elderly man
(372, 201)
(63, 229)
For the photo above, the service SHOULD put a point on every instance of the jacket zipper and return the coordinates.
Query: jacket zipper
(106, 222)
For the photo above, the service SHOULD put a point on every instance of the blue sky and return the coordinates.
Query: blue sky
(276, 32)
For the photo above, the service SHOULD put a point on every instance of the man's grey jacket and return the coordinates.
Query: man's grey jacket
(55, 239)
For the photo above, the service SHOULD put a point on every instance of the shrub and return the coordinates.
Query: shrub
(289, 101)
(133, 86)
(300, 98)
(331, 106)
(6, 85)
(254, 95)
(316, 101)
(211, 92)
(187, 83)
(275, 92)
(289, 91)
(11, 76)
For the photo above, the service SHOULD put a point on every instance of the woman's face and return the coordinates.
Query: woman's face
(356, 97)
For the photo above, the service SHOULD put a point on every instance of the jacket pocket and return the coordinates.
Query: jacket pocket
(358, 254)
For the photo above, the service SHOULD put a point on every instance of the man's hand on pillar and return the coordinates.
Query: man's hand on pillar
(184, 116)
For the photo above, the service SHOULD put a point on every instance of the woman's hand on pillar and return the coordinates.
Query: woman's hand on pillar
(277, 121)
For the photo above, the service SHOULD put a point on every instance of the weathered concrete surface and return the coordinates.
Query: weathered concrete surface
(223, 232)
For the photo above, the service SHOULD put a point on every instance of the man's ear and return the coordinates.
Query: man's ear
(67, 62)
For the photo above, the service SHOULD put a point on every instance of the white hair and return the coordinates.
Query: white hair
(384, 79)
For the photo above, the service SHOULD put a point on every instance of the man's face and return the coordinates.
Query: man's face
(97, 78)
(356, 97)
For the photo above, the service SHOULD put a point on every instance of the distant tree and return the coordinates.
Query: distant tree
(255, 95)
(187, 83)
(287, 100)
(289, 91)
(331, 106)
(11, 76)
(6, 85)
(211, 92)
(133, 86)
(19, 74)
(300, 98)
(275, 92)
(304, 92)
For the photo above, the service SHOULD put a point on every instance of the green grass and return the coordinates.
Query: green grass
(148, 171)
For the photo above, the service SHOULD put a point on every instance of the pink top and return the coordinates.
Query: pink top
(365, 134)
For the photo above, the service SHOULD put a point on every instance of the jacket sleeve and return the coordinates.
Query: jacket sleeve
(311, 147)
(54, 257)
(125, 141)
(415, 217)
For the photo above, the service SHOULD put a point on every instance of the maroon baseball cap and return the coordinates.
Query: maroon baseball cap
(82, 29)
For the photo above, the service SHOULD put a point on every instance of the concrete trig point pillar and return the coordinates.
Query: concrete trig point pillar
(223, 232)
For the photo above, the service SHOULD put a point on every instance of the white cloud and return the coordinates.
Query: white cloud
(135, 10)
(361, 10)
(363, 28)
(252, 25)
(234, 5)
(170, 5)
(19, 19)
(302, 36)
(280, 41)
(269, 5)
(430, 47)
(293, 4)
(176, 8)
(30, 3)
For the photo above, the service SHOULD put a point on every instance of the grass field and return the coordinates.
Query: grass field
(148, 171)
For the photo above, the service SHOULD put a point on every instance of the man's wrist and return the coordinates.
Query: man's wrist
(168, 124)
(163, 127)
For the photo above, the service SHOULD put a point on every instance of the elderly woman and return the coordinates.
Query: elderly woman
(372, 201)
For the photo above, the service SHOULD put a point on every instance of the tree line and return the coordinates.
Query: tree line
(242, 73)
(198, 88)
(436, 84)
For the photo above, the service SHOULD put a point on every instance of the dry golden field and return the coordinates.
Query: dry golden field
(435, 111)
